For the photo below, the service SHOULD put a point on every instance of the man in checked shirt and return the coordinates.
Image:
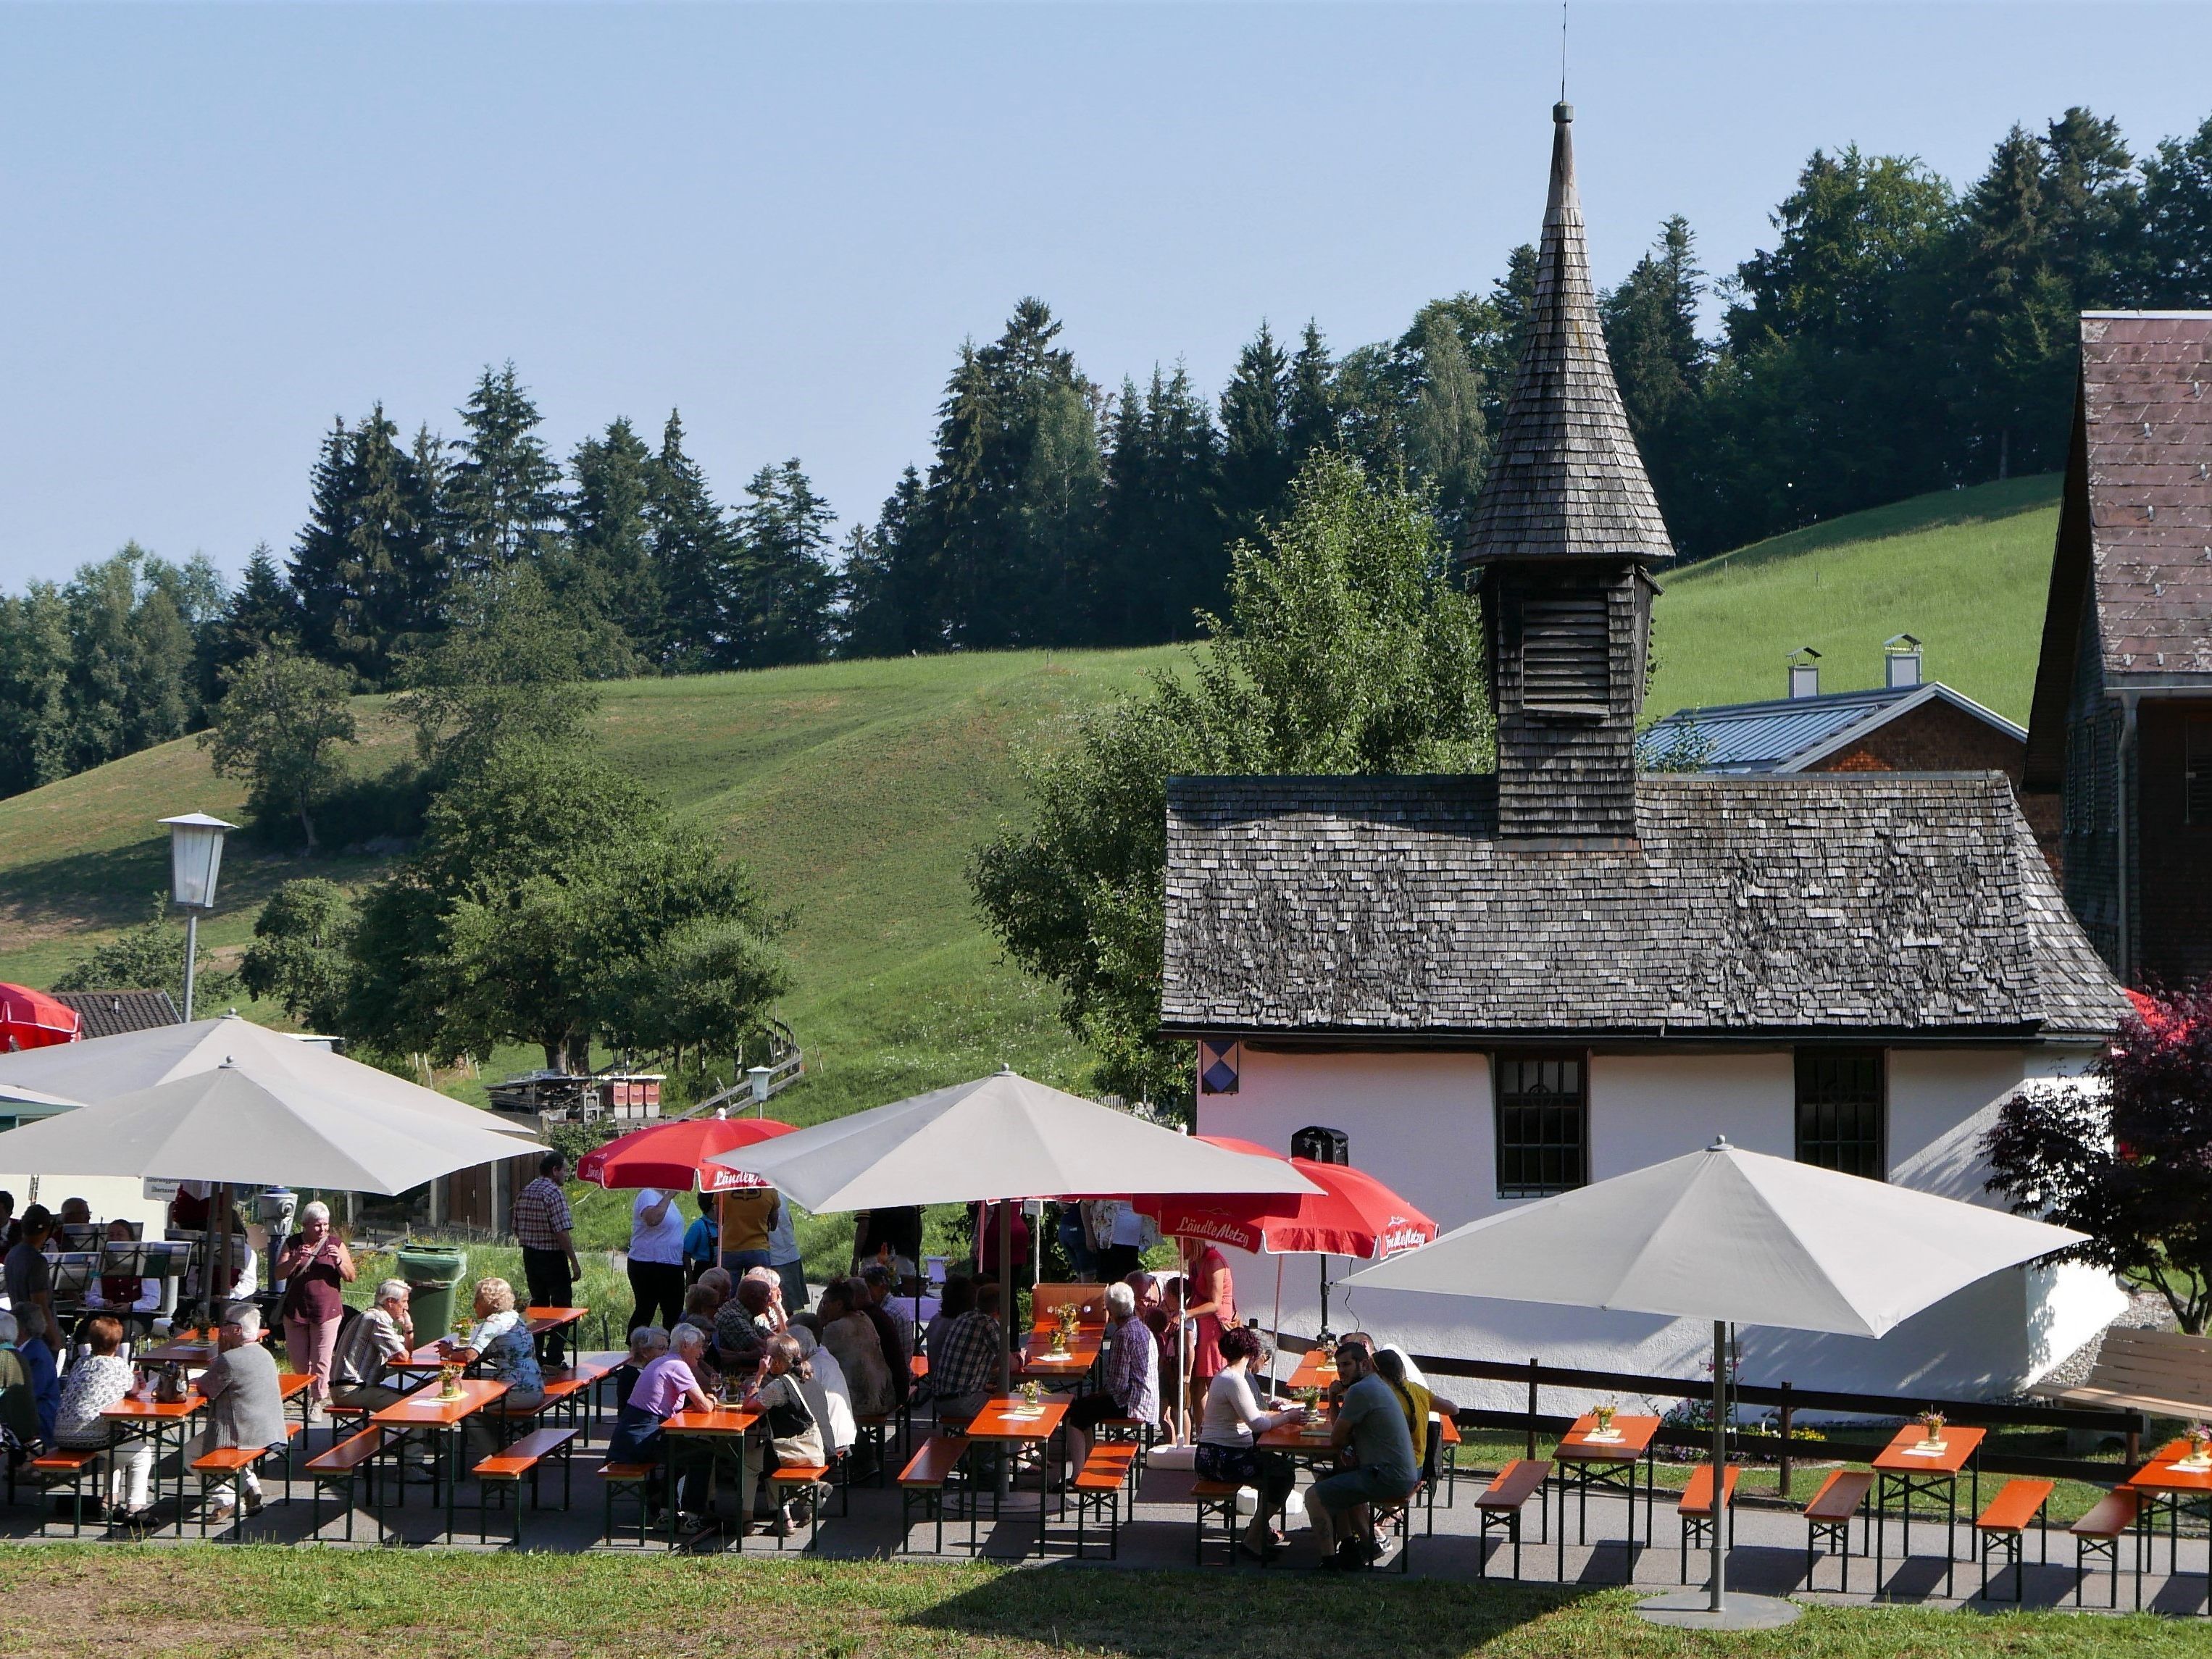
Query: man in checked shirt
(542, 1226)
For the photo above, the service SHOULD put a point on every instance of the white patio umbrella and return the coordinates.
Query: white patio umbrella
(1000, 1139)
(226, 1126)
(102, 1067)
(1737, 1237)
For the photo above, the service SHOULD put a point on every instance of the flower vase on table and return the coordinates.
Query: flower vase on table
(1604, 1416)
(1931, 1431)
(449, 1381)
(2198, 1458)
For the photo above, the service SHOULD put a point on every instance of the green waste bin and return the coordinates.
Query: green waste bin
(432, 1272)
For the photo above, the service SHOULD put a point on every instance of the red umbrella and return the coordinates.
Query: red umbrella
(1353, 1214)
(675, 1155)
(32, 1019)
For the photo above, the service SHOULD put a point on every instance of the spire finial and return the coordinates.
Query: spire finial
(1563, 61)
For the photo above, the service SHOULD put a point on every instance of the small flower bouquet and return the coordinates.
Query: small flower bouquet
(1931, 1428)
(2199, 1457)
(1030, 1392)
(449, 1381)
(1604, 1415)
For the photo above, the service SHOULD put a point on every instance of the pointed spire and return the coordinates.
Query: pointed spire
(1565, 481)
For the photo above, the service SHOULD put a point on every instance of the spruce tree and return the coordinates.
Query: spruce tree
(890, 588)
(1164, 558)
(263, 611)
(2014, 313)
(368, 566)
(694, 557)
(1309, 415)
(503, 502)
(36, 744)
(2092, 209)
(607, 570)
(1255, 444)
(785, 590)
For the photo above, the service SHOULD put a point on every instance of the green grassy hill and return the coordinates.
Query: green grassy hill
(859, 789)
(1965, 570)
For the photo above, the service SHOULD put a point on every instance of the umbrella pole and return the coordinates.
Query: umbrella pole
(1006, 1349)
(1719, 1593)
(1324, 1297)
(1277, 1344)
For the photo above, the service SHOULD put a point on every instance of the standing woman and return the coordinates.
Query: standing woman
(1210, 1306)
(656, 1260)
(314, 1264)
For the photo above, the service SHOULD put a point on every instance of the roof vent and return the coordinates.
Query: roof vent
(1804, 673)
(1900, 662)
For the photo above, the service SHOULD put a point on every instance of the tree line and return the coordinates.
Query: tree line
(1900, 336)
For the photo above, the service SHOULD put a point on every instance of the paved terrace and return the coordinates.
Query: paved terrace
(1768, 1554)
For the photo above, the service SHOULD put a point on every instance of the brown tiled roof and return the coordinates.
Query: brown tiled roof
(1565, 480)
(111, 1013)
(1832, 904)
(2147, 407)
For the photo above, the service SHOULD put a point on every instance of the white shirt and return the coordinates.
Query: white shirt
(831, 1399)
(1230, 1405)
(663, 1243)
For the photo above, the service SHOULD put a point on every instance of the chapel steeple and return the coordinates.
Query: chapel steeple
(1560, 540)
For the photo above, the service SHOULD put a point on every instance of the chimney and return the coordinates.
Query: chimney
(1804, 673)
(1900, 661)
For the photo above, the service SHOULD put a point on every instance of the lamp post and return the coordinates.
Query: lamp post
(758, 1077)
(194, 860)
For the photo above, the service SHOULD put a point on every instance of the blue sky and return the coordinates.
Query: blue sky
(223, 226)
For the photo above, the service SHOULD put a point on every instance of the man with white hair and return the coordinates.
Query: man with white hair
(246, 1405)
(360, 1373)
(1129, 1384)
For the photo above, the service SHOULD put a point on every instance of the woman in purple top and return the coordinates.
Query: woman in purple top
(315, 1266)
(665, 1385)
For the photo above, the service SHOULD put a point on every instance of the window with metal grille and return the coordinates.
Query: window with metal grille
(2197, 771)
(1842, 1113)
(1565, 661)
(1543, 1124)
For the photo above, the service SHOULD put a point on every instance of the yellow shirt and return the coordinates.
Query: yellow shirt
(747, 1217)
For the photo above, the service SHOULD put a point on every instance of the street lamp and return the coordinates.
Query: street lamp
(195, 859)
(758, 1076)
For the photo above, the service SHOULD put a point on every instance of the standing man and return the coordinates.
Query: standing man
(544, 1225)
(748, 1216)
(30, 1280)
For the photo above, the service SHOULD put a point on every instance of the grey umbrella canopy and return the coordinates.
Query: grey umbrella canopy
(1735, 1237)
(224, 1125)
(103, 1068)
(997, 1139)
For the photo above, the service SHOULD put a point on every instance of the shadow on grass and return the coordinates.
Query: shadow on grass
(1229, 1614)
(116, 886)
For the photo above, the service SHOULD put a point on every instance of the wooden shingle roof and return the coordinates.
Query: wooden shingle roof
(1856, 904)
(2147, 411)
(1565, 480)
(114, 1013)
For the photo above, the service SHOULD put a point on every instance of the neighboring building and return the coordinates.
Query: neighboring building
(1510, 984)
(1904, 726)
(112, 1013)
(2119, 747)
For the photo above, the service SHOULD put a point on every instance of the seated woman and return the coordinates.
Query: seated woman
(667, 1382)
(701, 1304)
(851, 1336)
(100, 1379)
(793, 1430)
(823, 1382)
(501, 1349)
(646, 1344)
(1232, 1423)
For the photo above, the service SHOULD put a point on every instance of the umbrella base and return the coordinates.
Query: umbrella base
(1691, 1610)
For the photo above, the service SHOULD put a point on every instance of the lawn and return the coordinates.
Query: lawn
(200, 1602)
(1966, 571)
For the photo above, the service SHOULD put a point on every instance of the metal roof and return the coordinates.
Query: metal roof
(1789, 733)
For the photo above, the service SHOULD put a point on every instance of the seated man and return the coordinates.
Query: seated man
(966, 1374)
(1371, 1425)
(1129, 1382)
(246, 1405)
(883, 1291)
(360, 1373)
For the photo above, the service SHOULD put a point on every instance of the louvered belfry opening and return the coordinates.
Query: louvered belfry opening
(1560, 542)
